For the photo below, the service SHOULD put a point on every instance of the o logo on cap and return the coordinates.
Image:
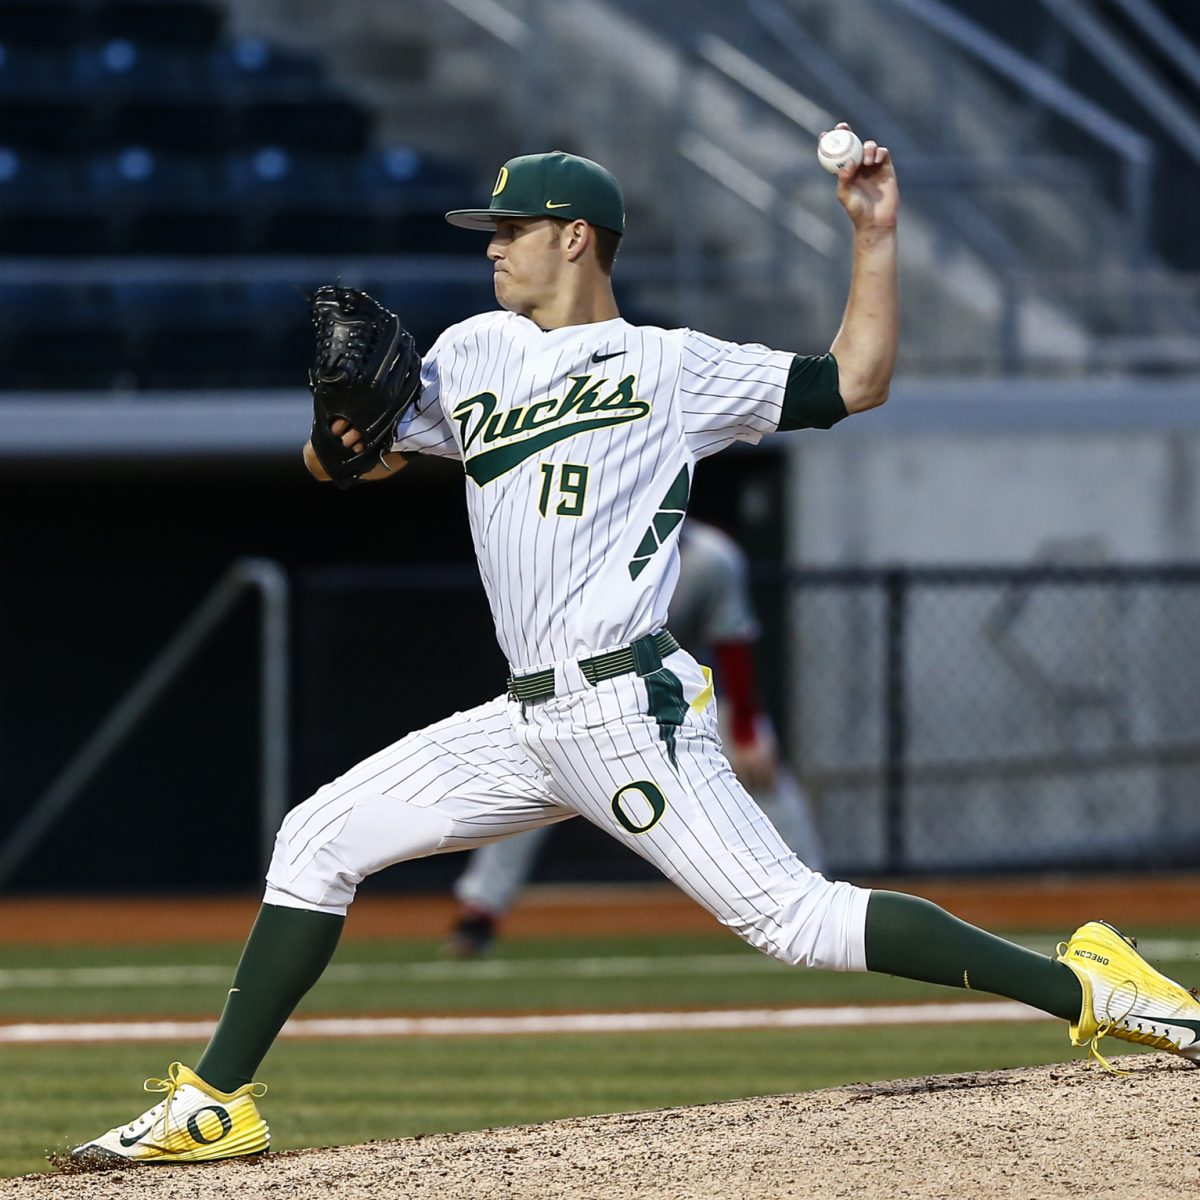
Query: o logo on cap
(501, 181)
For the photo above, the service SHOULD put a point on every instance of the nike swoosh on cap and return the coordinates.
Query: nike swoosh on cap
(564, 204)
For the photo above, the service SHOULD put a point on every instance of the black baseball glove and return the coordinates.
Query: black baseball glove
(367, 372)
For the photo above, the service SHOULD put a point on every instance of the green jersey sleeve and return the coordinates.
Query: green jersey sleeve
(811, 399)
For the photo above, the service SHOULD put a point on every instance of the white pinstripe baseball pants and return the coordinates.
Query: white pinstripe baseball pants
(591, 750)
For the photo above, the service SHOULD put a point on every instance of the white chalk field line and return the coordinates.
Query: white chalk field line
(840, 1016)
(418, 972)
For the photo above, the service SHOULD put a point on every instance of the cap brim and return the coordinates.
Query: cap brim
(483, 218)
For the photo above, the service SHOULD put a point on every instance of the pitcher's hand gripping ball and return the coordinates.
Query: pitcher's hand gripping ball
(838, 148)
(366, 372)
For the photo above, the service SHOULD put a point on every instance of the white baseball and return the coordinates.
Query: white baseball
(837, 148)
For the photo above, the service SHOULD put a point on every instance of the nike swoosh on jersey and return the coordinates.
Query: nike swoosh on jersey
(599, 358)
(564, 204)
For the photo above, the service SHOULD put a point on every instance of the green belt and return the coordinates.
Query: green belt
(643, 656)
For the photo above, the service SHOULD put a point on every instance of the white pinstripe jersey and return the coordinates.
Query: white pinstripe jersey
(578, 446)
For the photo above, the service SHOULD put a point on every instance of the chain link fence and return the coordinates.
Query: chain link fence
(996, 718)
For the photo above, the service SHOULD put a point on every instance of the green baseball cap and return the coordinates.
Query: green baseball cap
(556, 184)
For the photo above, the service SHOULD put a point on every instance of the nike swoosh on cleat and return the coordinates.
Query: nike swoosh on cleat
(599, 358)
(133, 1141)
(1194, 1026)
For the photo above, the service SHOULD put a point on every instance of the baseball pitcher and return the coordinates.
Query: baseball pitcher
(578, 434)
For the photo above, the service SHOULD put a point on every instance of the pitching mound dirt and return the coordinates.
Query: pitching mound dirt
(1032, 1133)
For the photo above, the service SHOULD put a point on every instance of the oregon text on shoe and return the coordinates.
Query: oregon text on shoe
(1125, 997)
(194, 1123)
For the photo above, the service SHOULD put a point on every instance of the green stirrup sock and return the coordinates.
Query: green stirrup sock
(286, 952)
(912, 938)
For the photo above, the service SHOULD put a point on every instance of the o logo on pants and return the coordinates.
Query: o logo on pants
(636, 802)
(193, 1125)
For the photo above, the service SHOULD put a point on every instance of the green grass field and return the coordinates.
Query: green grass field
(330, 1092)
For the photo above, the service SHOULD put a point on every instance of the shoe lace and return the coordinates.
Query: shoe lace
(170, 1086)
(1114, 1024)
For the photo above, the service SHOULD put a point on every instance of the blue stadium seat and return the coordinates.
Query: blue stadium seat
(412, 191)
(42, 206)
(32, 71)
(280, 312)
(249, 63)
(308, 203)
(132, 127)
(404, 171)
(145, 305)
(186, 23)
(278, 303)
(138, 176)
(33, 318)
(299, 204)
(29, 180)
(274, 176)
(187, 334)
(120, 66)
(162, 204)
(23, 304)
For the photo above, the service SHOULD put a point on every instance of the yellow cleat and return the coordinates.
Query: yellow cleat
(1125, 997)
(193, 1123)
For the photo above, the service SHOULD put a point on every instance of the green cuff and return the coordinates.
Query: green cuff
(811, 399)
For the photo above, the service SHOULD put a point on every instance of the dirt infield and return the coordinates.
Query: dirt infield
(1057, 904)
(1038, 1133)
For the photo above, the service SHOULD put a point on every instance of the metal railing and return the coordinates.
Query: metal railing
(1135, 151)
(270, 582)
(1086, 26)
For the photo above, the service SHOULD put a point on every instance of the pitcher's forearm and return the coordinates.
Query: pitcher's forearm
(866, 345)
